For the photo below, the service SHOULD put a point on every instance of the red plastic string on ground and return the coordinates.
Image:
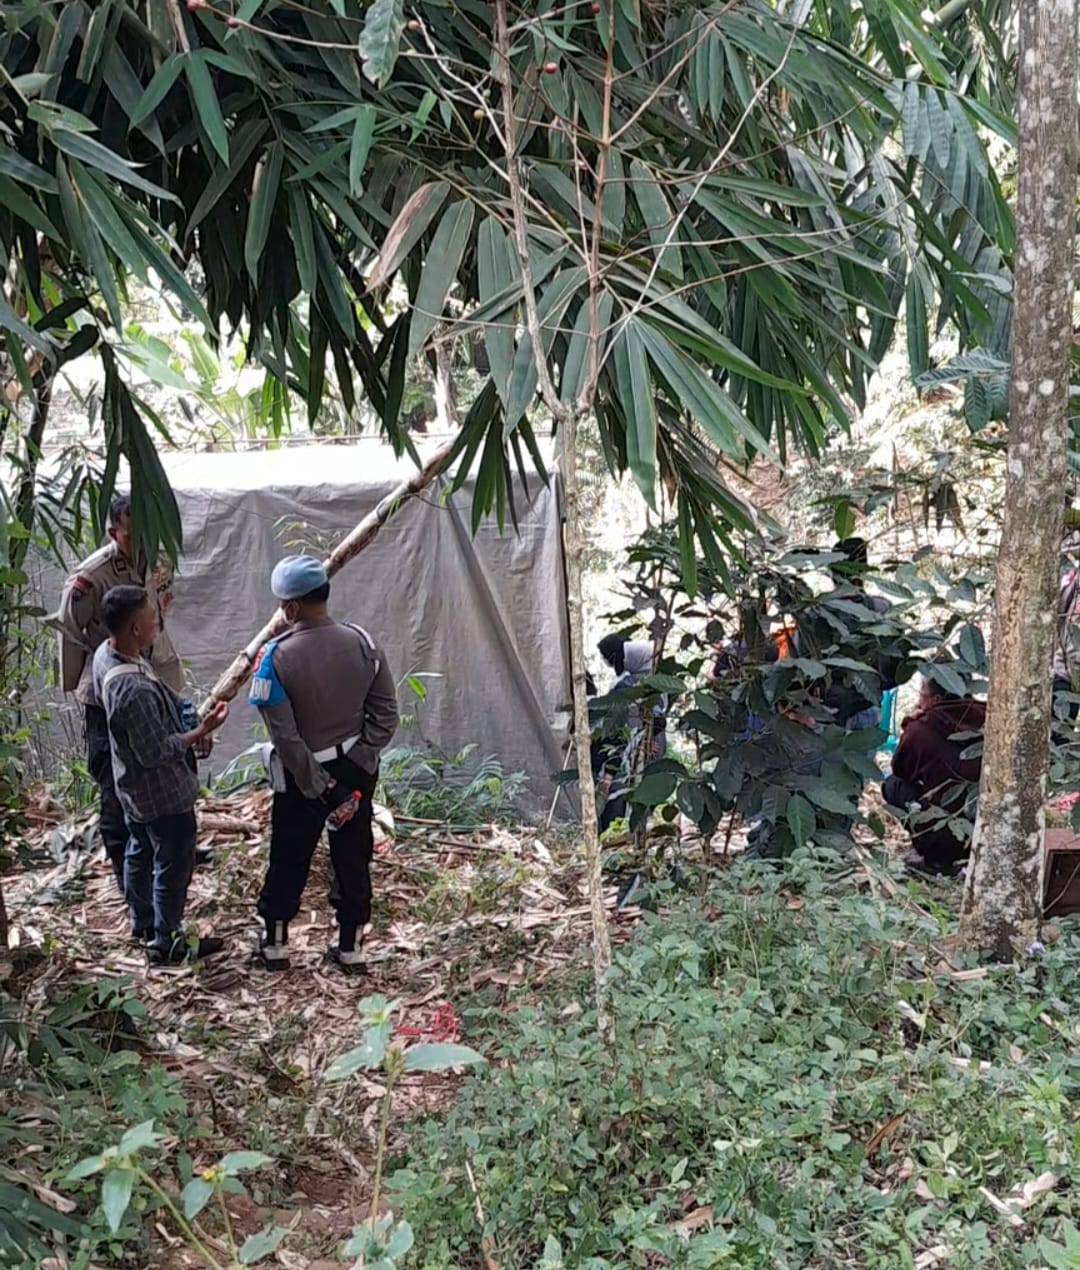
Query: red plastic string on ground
(1065, 802)
(440, 1027)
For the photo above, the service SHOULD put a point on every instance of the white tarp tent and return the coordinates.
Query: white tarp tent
(486, 614)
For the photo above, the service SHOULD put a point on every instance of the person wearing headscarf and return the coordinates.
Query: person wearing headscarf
(933, 776)
(632, 661)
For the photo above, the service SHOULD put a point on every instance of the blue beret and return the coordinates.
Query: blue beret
(297, 576)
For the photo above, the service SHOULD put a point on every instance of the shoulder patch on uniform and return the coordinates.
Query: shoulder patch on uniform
(265, 689)
(369, 644)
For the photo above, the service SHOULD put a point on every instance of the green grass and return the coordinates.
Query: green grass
(766, 1034)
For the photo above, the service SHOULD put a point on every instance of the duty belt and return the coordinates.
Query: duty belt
(341, 750)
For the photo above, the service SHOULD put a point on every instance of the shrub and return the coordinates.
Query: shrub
(768, 1035)
(458, 788)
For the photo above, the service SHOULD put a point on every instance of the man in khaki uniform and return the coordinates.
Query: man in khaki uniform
(82, 630)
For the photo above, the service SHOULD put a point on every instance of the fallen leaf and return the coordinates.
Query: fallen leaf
(1026, 1195)
(1000, 1206)
(696, 1220)
(884, 1132)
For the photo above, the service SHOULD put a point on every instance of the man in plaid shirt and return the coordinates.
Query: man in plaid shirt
(153, 759)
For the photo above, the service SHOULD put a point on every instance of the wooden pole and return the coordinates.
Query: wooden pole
(236, 676)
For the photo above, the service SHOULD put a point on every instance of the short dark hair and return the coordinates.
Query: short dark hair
(319, 596)
(120, 605)
(119, 508)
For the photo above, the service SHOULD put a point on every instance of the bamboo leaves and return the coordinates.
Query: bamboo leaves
(701, 397)
(495, 275)
(245, 140)
(303, 238)
(631, 375)
(79, 146)
(207, 106)
(381, 38)
(656, 215)
(441, 264)
(745, 281)
(264, 194)
(917, 338)
(408, 227)
(360, 145)
(157, 89)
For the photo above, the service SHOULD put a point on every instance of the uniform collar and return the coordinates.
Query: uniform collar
(310, 624)
(120, 562)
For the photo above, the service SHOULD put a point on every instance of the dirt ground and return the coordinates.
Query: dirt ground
(459, 918)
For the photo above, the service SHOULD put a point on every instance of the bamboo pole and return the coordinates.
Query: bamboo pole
(361, 536)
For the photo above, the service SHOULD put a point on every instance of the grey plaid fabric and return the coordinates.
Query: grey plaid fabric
(154, 770)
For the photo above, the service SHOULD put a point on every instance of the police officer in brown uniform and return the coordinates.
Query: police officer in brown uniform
(329, 703)
(82, 630)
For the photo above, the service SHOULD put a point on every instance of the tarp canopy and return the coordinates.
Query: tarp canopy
(485, 614)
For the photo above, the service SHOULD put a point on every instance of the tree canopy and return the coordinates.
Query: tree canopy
(752, 197)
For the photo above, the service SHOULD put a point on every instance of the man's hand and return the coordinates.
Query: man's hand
(200, 737)
(215, 717)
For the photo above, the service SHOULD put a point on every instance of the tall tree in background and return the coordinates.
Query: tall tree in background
(1003, 896)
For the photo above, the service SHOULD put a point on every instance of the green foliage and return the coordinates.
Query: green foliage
(25, 1222)
(458, 789)
(763, 738)
(79, 1057)
(758, 232)
(766, 1034)
(381, 1242)
(380, 1245)
(1059, 1257)
(122, 1171)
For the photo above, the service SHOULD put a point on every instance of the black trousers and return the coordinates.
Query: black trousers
(1060, 686)
(295, 826)
(935, 842)
(114, 830)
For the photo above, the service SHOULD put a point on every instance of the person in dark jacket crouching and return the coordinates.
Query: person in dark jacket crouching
(932, 780)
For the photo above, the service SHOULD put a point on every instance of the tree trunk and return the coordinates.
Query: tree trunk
(236, 676)
(590, 829)
(1003, 896)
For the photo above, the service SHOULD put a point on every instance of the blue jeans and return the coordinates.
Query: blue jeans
(157, 873)
(868, 718)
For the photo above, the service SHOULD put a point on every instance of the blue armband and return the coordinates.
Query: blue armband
(266, 689)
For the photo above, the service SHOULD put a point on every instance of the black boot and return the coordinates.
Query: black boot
(274, 946)
(181, 951)
(349, 953)
(916, 863)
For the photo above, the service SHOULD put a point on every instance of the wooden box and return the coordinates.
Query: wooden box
(1061, 889)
